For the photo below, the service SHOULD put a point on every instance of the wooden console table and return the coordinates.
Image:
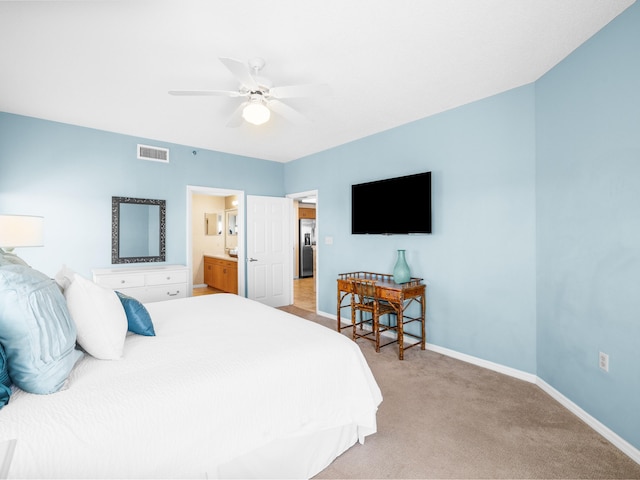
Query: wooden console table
(398, 295)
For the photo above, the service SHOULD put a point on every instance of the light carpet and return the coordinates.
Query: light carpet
(445, 418)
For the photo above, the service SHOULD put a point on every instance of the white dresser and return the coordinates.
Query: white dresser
(147, 284)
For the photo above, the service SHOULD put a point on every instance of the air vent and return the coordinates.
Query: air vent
(155, 154)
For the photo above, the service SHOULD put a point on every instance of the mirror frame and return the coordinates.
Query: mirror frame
(115, 230)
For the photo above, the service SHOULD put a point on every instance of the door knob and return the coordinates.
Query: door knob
(253, 259)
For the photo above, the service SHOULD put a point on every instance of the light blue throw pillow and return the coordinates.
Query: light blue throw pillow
(138, 318)
(5, 381)
(36, 330)
(4, 369)
(7, 258)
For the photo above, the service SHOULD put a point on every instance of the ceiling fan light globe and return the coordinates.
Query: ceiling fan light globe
(256, 113)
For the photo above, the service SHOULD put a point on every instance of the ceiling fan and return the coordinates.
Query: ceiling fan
(260, 96)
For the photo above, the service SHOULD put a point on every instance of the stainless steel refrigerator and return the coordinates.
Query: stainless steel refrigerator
(307, 243)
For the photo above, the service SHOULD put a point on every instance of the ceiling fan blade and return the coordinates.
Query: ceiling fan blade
(236, 117)
(298, 91)
(222, 93)
(241, 71)
(287, 112)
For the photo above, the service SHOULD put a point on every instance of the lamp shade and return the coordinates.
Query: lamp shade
(256, 113)
(21, 231)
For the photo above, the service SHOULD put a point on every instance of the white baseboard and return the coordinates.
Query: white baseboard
(332, 316)
(624, 446)
(619, 442)
(200, 285)
(496, 367)
(512, 372)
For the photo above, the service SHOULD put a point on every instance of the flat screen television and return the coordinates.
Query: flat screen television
(400, 206)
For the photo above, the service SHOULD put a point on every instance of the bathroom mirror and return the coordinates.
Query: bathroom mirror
(138, 230)
(232, 222)
(213, 224)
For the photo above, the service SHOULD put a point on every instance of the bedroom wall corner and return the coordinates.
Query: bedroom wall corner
(479, 264)
(588, 228)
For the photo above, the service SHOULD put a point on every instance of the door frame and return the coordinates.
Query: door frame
(294, 219)
(218, 192)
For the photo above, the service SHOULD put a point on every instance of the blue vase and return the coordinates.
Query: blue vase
(401, 272)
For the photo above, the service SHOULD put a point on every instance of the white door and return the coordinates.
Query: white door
(269, 235)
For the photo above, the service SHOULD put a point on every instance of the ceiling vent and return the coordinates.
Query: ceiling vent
(155, 154)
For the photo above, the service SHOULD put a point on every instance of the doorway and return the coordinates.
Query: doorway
(306, 250)
(218, 243)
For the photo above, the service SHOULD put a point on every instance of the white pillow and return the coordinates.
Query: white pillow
(100, 319)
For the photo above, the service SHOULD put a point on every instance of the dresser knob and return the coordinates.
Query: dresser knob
(122, 281)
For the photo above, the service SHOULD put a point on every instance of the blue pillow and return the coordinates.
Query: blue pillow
(138, 317)
(4, 370)
(36, 330)
(5, 381)
(7, 258)
(5, 394)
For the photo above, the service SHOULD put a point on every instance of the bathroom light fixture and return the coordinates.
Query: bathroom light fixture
(256, 112)
(21, 231)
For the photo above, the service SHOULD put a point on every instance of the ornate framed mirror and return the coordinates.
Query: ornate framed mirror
(138, 230)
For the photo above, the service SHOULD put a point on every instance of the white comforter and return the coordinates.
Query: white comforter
(223, 377)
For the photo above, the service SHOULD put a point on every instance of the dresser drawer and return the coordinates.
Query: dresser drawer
(160, 293)
(147, 284)
(166, 278)
(118, 282)
(167, 292)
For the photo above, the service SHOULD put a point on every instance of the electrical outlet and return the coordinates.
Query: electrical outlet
(603, 361)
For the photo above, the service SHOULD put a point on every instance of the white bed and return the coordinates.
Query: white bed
(228, 388)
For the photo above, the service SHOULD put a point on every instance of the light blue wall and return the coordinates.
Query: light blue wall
(588, 206)
(540, 285)
(479, 263)
(68, 174)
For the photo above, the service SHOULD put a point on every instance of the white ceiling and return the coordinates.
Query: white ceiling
(109, 64)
